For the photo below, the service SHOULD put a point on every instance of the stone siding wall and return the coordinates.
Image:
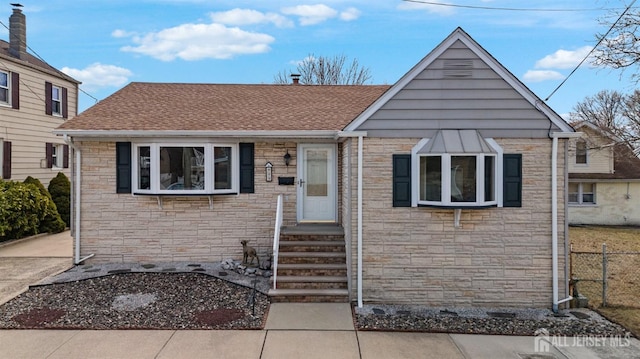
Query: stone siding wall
(127, 228)
(499, 256)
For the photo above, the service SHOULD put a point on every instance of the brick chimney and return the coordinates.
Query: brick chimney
(295, 78)
(18, 33)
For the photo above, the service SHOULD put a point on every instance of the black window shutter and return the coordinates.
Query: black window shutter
(247, 171)
(15, 90)
(6, 159)
(402, 180)
(65, 156)
(512, 177)
(49, 154)
(48, 87)
(123, 167)
(65, 106)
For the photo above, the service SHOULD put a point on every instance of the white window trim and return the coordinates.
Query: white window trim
(8, 103)
(580, 201)
(208, 174)
(53, 100)
(446, 177)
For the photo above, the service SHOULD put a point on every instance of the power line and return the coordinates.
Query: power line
(475, 7)
(592, 50)
(53, 68)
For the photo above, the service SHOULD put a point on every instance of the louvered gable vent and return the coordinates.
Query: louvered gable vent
(458, 68)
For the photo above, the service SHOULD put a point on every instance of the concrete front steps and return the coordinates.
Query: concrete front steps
(312, 265)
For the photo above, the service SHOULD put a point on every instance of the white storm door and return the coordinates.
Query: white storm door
(317, 201)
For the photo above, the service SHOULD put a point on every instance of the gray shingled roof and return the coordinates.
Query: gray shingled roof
(226, 107)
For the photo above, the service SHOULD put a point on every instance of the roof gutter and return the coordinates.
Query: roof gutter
(554, 215)
(323, 134)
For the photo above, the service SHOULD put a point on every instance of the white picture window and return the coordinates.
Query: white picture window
(56, 100)
(5, 90)
(468, 176)
(582, 193)
(186, 168)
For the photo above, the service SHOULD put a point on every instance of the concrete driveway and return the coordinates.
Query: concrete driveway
(26, 262)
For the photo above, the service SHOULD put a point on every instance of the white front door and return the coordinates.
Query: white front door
(317, 183)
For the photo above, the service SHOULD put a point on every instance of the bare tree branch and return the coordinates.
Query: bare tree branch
(613, 112)
(324, 70)
(621, 47)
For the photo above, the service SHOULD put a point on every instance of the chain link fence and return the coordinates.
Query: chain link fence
(607, 278)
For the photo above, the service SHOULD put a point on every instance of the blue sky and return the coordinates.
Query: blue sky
(107, 44)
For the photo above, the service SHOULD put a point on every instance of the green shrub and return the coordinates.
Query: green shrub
(50, 222)
(21, 208)
(60, 190)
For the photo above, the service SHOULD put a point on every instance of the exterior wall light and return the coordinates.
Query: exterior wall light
(287, 158)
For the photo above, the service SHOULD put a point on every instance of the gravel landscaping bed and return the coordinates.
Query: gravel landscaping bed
(575, 322)
(84, 298)
(138, 301)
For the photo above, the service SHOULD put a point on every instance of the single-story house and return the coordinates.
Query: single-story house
(446, 189)
(604, 179)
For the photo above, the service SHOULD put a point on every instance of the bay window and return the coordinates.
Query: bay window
(456, 168)
(185, 168)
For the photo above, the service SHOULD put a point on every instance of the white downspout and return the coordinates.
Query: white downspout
(360, 135)
(554, 221)
(554, 215)
(360, 150)
(78, 162)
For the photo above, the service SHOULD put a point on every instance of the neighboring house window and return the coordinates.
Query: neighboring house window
(581, 152)
(10, 89)
(56, 100)
(186, 168)
(456, 168)
(582, 193)
(56, 159)
(5, 88)
(57, 156)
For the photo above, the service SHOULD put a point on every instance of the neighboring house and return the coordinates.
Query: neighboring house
(604, 179)
(35, 98)
(447, 187)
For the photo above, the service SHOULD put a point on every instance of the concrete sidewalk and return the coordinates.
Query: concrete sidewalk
(309, 330)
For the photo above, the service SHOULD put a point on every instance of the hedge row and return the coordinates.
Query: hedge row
(28, 208)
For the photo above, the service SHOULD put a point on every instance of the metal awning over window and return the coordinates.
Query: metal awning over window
(456, 141)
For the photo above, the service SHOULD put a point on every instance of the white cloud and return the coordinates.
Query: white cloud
(434, 9)
(542, 75)
(246, 17)
(99, 75)
(200, 41)
(122, 33)
(563, 59)
(350, 14)
(311, 14)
